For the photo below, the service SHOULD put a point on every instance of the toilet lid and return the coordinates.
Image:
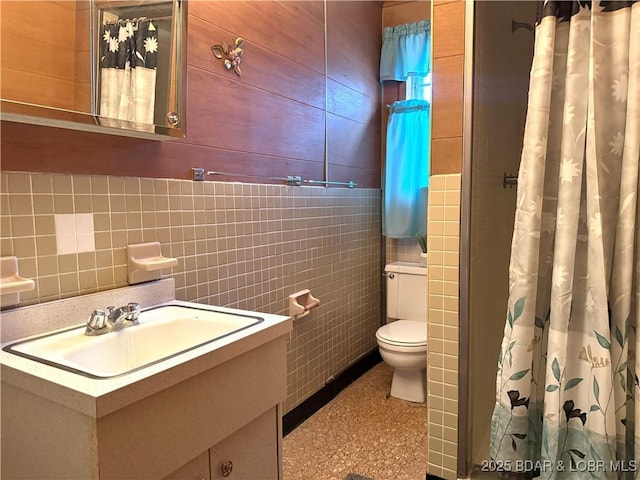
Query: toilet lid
(405, 332)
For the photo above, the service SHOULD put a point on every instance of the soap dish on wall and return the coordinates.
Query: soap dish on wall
(11, 283)
(144, 262)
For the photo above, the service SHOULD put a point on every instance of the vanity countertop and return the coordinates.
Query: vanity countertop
(99, 397)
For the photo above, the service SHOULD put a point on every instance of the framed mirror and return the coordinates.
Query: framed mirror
(116, 67)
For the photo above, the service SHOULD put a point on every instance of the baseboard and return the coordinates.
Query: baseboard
(327, 393)
(433, 477)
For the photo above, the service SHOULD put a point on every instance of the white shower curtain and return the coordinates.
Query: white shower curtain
(128, 71)
(567, 388)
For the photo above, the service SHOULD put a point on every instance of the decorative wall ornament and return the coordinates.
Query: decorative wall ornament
(232, 56)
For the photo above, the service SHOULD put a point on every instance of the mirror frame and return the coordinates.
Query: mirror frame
(33, 114)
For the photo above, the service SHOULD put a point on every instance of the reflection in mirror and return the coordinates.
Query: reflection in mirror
(59, 76)
(407, 93)
(406, 58)
(44, 48)
(133, 47)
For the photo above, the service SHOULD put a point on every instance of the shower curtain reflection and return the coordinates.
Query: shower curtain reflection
(128, 64)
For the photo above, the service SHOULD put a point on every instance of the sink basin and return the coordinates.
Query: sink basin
(163, 332)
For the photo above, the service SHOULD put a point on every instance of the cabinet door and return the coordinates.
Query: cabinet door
(196, 469)
(251, 453)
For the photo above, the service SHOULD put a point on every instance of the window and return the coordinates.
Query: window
(418, 87)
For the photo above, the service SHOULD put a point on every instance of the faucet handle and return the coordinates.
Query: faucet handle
(96, 321)
(134, 310)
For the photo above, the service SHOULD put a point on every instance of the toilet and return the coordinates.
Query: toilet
(403, 340)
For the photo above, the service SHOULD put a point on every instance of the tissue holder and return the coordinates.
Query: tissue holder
(301, 303)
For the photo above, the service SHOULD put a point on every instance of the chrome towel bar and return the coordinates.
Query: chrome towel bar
(199, 175)
(349, 184)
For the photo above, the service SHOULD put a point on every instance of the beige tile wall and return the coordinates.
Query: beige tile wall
(247, 246)
(442, 362)
(402, 250)
(443, 235)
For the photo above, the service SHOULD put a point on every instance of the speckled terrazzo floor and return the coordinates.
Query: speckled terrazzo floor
(361, 431)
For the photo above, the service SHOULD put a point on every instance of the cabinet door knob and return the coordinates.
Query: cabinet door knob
(226, 468)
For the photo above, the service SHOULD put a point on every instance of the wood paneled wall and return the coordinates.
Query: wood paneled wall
(277, 119)
(41, 68)
(82, 47)
(353, 91)
(448, 70)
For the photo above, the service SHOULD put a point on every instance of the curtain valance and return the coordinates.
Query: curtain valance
(405, 50)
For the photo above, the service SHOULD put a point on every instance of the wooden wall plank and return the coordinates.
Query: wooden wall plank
(398, 13)
(33, 148)
(235, 116)
(353, 40)
(32, 35)
(448, 71)
(31, 18)
(447, 100)
(262, 68)
(349, 103)
(82, 60)
(352, 143)
(268, 24)
(447, 155)
(38, 56)
(448, 28)
(311, 10)
(270, 121)
(31, 87)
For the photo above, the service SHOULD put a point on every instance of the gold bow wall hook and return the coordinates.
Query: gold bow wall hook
(231, 56)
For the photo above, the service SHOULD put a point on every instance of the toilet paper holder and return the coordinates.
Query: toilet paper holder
(301, 303)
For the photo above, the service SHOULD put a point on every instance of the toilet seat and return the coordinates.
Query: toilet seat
(403, 333)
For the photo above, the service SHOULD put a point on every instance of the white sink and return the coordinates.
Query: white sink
(163, 332)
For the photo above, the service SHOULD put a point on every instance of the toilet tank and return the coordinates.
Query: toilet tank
(406, 291)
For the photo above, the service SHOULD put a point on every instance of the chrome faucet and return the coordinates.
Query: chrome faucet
(100, 322)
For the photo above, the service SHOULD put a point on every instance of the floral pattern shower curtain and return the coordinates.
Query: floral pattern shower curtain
(567, 387)
(128, 70)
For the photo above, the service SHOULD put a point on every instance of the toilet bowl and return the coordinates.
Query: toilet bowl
(403, 340)
(403, 346)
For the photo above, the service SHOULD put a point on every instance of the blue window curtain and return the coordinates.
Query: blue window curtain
(405, 50)
(407, 169)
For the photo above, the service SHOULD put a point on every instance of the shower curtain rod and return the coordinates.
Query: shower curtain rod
(153, 19)
(199, 174)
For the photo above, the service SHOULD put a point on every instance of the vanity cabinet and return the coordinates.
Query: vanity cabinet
(196, 469)
(181, 423)
(251, 453)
